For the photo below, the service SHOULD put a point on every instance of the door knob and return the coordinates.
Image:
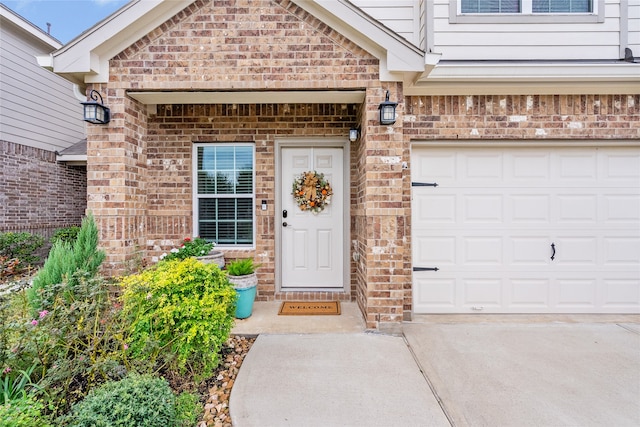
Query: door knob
(284, 224)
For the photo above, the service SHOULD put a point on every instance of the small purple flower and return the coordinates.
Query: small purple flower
(6, 370)
(126, 346)
(34, 322)
(43, 313)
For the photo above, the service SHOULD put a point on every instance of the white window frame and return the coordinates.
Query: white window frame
(197, 197)
(526, 16)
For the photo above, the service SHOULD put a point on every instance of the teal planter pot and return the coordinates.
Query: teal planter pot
(244, 305)
(246, 288)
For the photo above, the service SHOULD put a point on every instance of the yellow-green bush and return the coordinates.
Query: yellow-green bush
(179, 313)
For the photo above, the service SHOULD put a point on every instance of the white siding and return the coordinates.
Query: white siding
(37, 108)
(401, 16)
(532, 38)
(634, 27)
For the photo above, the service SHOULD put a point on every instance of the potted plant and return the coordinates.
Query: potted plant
(199, 248)
(242, 275)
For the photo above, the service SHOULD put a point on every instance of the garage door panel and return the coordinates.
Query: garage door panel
(435, 294)
(530, 167)
(576, 166)
(481, 166)
(529, 209)
(429, 250)
(482, 251)
(621, 167)
(482, 293)
(621, 208)
(576, 251)
(530, 293)
(621, 251)
(489, 226)
(482, 208)
(575, 209)
(434, 208)
(576, 292)
(622, 292)
(529, 251)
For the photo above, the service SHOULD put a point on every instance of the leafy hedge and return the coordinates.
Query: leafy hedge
(135, 401)
(180, 314)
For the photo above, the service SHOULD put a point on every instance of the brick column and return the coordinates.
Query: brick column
(383, 273)
(116, 175)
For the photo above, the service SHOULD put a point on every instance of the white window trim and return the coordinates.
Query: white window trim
(194, 207)
(526, 16)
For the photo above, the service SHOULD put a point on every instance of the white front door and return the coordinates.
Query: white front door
(312, 244)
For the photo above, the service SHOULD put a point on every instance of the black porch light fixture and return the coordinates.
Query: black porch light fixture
(387, 111)
(95, 112)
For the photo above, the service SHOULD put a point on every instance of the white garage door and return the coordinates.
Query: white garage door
(535, 230)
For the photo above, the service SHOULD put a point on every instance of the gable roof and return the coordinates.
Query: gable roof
(86, 58)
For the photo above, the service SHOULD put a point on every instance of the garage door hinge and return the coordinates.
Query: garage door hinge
(424, 184)
(425, 269)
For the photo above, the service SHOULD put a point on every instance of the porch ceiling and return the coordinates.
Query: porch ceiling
(250, 97)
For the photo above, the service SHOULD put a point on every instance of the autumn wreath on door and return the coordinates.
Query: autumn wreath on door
(311, 191)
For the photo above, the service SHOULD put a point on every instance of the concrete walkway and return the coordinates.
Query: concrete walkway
(507, 373)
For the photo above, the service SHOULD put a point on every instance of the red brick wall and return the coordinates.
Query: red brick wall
(172, 133)
(37, 194)
(575, 119)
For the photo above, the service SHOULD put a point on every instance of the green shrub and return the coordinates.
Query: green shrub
(15, 386)
(20, 246)
(241, 267)
(180, 313)
(78, 343)
(188, 409)
(136, 401)
(65, 260)
(190, 248)
(67, 234)
(25, 411)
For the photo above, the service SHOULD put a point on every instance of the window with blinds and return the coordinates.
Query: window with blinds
(224, 197)
(526, 6)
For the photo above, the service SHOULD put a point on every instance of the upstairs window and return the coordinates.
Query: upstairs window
(526, 6)
(561, 6)
(490, 6)
(224, 193)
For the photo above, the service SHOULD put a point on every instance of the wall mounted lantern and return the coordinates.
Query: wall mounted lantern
(353, 134)
(387, 111)
(95, 112)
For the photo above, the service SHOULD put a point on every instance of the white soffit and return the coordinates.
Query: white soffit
(476, 78)
(255, 97)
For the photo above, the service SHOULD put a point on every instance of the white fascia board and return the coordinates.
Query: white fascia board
(453, 78)
(28, 27)
(72, 159)
(89, 53)
(569, 71)
(395, 53)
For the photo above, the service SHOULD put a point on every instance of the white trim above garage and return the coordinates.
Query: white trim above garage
(526, 229)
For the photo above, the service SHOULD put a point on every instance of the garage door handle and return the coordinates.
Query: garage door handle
(553, 251)
(425, 269)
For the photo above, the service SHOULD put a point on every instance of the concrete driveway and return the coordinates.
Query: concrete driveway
(445, 374)
(532, 374)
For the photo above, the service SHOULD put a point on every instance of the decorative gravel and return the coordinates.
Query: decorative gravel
(218, 388)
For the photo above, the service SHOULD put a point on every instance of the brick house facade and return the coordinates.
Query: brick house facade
(141, 165)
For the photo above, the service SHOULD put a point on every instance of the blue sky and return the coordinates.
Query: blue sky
(68, 18)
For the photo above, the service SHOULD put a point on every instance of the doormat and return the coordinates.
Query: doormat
(309, 308)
